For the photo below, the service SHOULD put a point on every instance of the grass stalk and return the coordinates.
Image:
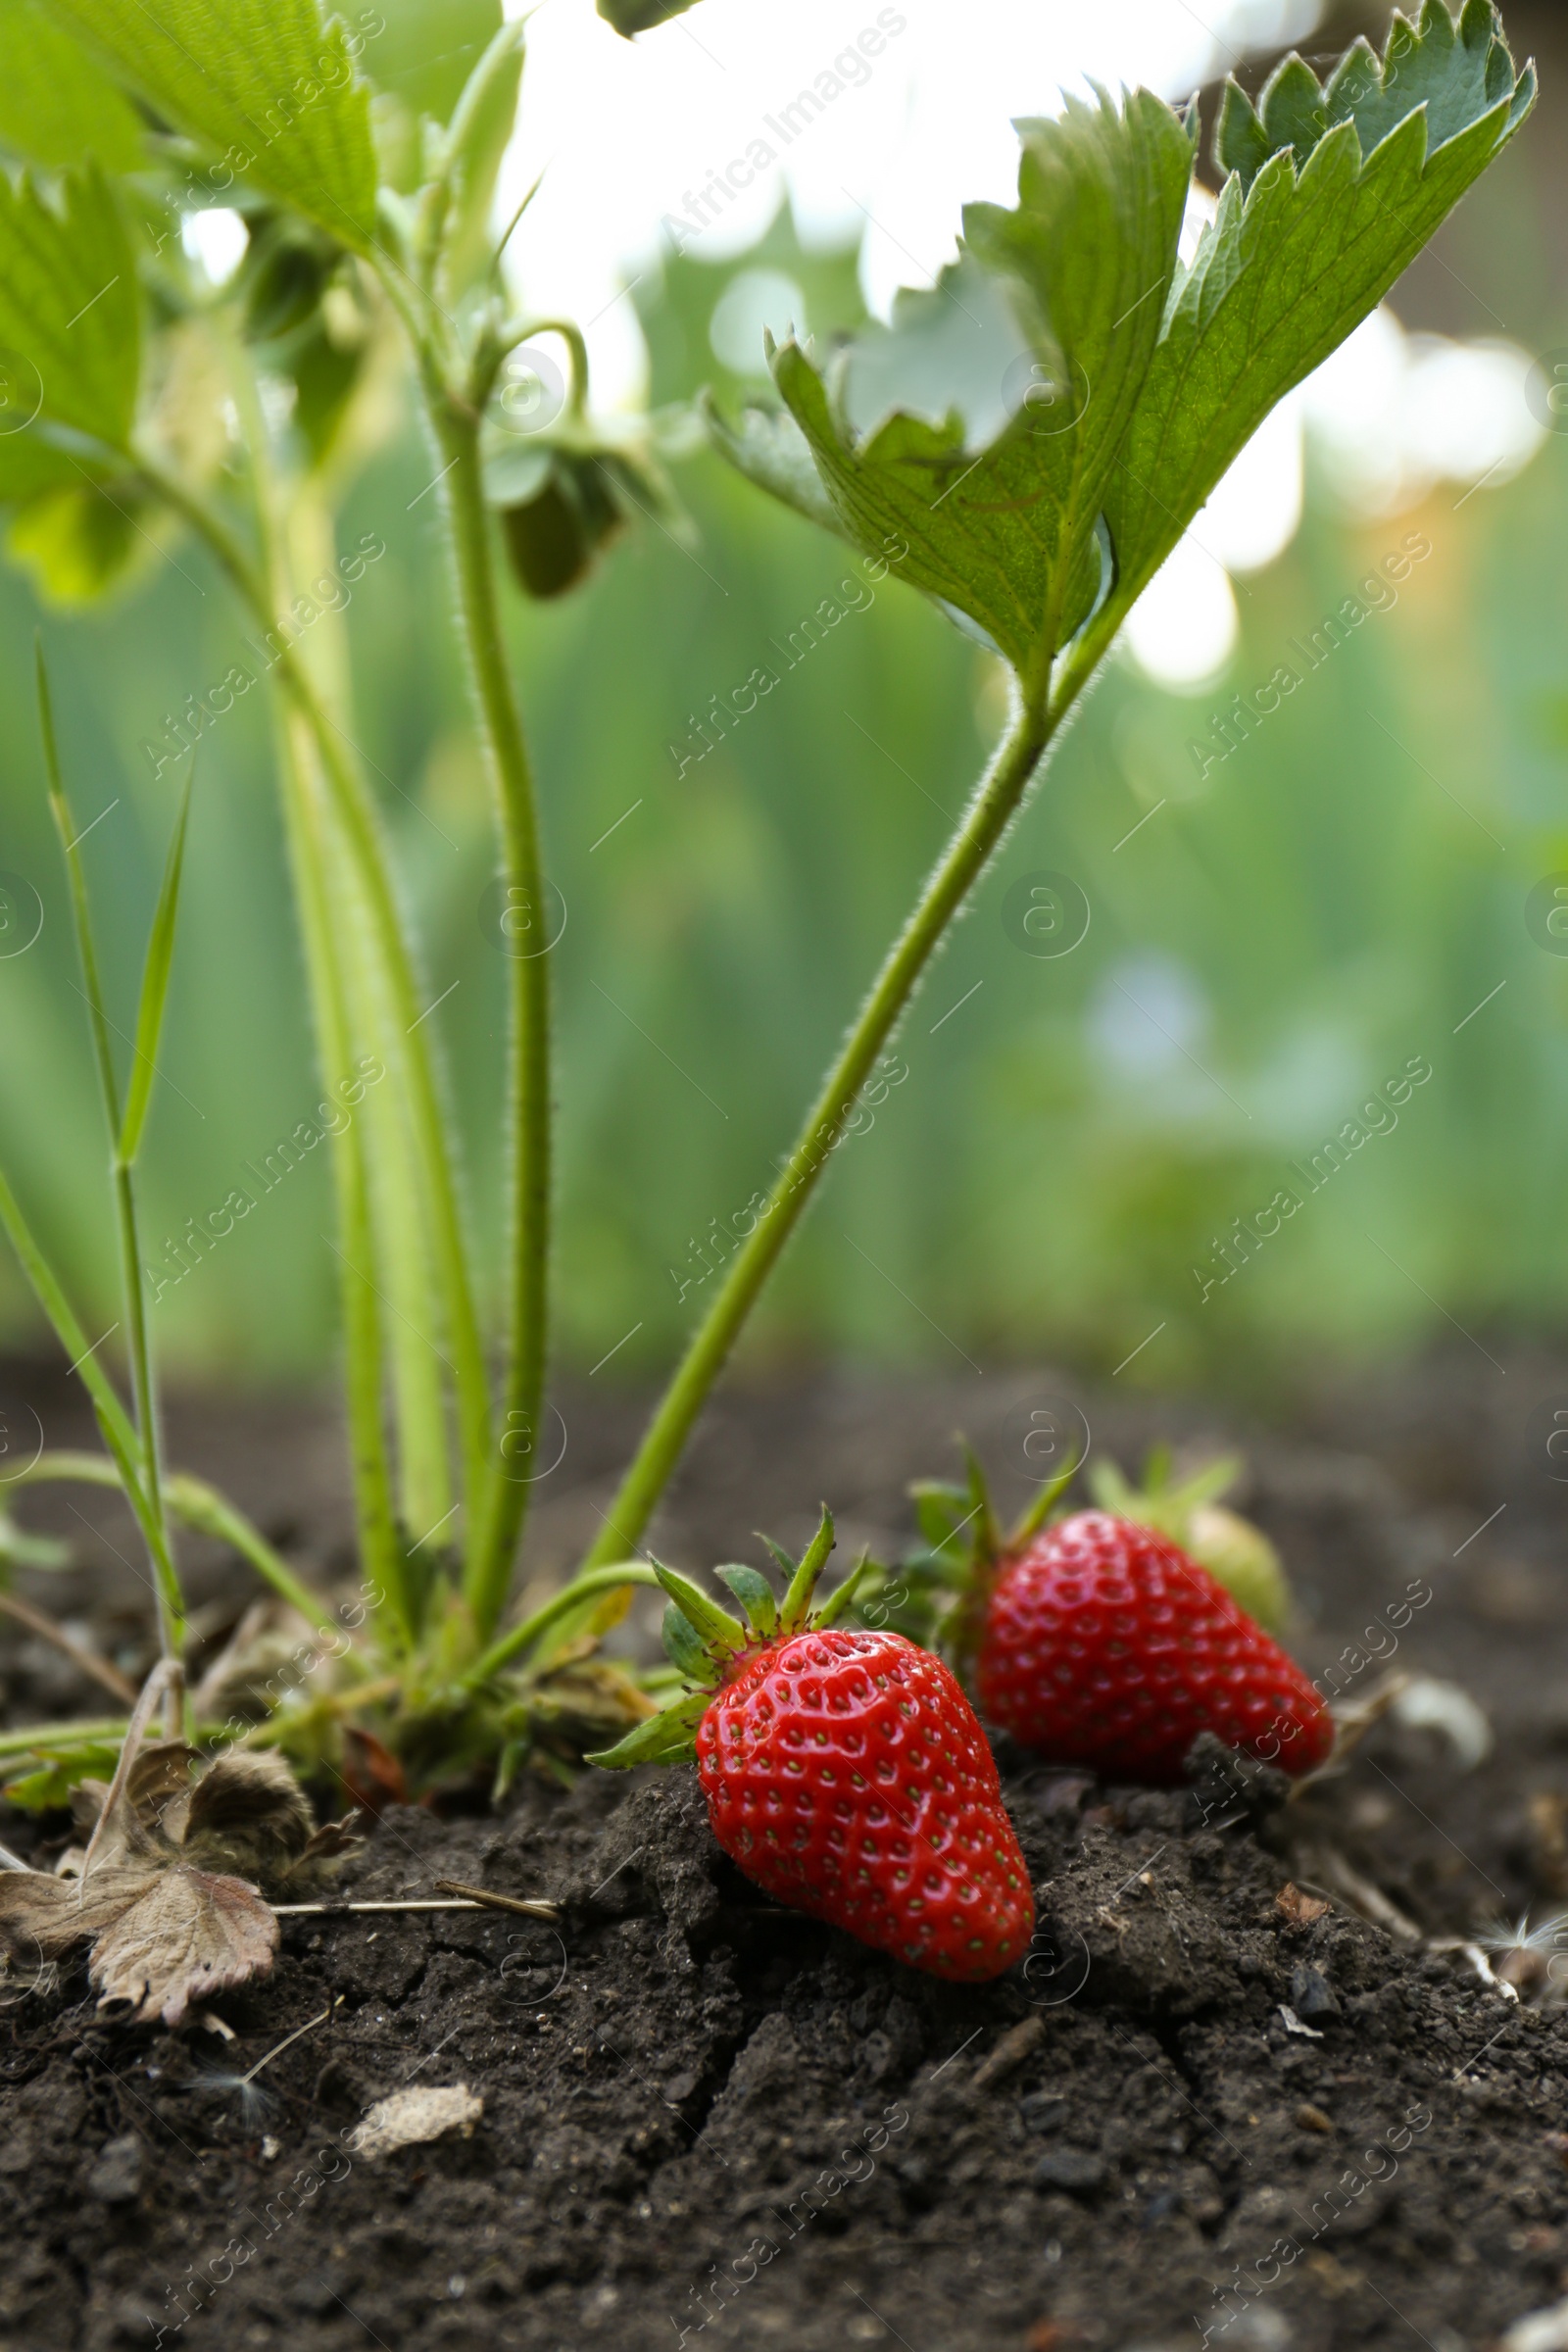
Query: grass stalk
(200, 1506)
(147, 1497)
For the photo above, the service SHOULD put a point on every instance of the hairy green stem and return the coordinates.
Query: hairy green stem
(381, 1545)
(307, 824)
(983, 825)
(357, 813)
(42, 1737)
(527, 1180)
(524, 1635)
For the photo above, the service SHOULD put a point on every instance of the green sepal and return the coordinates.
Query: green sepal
(565, 492)
(985, 1539)
(722, 1636)
(941, 1511)
(685, 1646)
(667, 1738)
(797, 1607)
(1044, 1503)
(843, 1597)
(756, 1597)
(1236, 1554)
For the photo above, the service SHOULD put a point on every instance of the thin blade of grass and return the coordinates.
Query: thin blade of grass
(150, 1506)
(201, 1507)
(155, 986)
(66, 827)
(114, 1421)
(47, 1289)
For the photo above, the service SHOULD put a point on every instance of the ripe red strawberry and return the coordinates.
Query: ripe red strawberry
(1103, 1643)
(846, 1774)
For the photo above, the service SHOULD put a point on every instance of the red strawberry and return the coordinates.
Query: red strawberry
(1103, 1643)
(846, 1774)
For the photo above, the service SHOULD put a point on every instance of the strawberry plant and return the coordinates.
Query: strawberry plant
(1036, 433)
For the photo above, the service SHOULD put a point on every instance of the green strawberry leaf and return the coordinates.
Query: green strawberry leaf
(57, 105)
(769, 448)
(980, 428)
(1041, 460)
(69, 310)
(427, 50)
(264, 84)
(1332, 193)
(32, 461)
(667, 1738)
(83, 541)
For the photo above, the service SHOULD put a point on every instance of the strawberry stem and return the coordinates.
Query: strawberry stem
(965, 859)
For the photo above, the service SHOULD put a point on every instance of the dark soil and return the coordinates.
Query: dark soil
(703, 2113)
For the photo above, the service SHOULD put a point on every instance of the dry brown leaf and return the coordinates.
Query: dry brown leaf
(188, 1935)
(163, 1892)
(410, 2117)
(163, 1935)
(328, 1844)
(250, 1811)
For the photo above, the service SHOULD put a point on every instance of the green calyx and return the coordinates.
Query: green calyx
(1037, 431)
(1236, 1554)
(937, 1596)
(708, 1644)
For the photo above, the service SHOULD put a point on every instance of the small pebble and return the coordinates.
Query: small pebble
(1044, 2111)
(1311, 1995)
(1312, 2119)
(116, 2178)
(1074, 2168)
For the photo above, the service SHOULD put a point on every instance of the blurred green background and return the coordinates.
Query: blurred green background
(1302, 920)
